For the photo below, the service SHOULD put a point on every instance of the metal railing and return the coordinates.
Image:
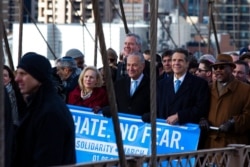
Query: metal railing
(234, 155)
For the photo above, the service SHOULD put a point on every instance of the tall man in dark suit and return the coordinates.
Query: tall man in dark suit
(133, 90)
(190, 102)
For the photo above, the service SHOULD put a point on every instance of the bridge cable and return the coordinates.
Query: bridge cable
(109, 85)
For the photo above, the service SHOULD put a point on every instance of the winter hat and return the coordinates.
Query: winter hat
(224, 59)
(37, 66)
(208, 57)
(74, 53)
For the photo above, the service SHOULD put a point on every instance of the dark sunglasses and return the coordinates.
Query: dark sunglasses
(220, 67)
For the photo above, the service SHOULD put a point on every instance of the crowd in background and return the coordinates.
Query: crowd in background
(211, 91)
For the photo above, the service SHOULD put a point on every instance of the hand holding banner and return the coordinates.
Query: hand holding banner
(95, 137)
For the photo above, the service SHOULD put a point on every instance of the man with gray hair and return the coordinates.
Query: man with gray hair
(132, 91)
(68, 72)
(132, 43)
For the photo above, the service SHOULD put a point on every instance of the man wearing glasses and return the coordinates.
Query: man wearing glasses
(205, 70)
(229, 107)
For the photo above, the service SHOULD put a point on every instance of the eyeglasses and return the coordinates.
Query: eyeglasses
(220, 67)
(200, 70)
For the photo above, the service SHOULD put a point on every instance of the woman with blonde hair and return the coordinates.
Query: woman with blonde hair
(89, 91)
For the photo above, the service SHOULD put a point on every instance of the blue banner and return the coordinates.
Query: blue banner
(95, 137)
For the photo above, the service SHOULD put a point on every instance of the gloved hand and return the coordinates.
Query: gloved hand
(146, 117)
(96, 109)
(204, 124)
(227, 126)
(106, 112)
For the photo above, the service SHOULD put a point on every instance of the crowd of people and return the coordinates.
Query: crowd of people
(211, 91)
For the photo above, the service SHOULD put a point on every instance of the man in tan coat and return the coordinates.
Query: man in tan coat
(229, 107)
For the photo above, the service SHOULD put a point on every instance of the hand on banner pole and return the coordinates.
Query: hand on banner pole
(204, 124)
(227, 126)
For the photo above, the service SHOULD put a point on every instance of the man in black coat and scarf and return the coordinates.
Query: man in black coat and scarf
(46, 135)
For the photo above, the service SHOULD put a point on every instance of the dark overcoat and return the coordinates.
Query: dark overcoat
(139, 103)
(191, 101)
(46, 135)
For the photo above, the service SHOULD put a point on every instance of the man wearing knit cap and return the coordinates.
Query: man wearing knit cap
(78, 56)
(46, 134)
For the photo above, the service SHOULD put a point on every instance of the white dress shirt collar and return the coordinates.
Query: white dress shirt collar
(181, 78)
(138, 79)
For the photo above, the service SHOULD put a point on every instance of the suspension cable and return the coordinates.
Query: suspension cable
(197, 30)
(81, 19)
(34, 22)
(153, 46)
(109, 85)
(124, 17)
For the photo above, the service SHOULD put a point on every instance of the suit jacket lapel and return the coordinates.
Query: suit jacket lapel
(128, 86)
(141, 84)
(185, 86)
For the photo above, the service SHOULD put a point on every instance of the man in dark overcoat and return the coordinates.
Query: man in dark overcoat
(137, 102)
(190, 102)
(46, 135)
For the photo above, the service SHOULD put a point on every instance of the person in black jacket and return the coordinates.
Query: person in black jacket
(136, 102)
(9, 130)
(46, 135)
(187, 102)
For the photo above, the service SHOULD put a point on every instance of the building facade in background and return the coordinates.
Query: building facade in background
(233, 17)
(72, 11)
(10, 13)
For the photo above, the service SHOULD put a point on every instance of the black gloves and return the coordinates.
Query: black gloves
(227, 126)
(204, 124)
(146, 117)
(106, 112)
